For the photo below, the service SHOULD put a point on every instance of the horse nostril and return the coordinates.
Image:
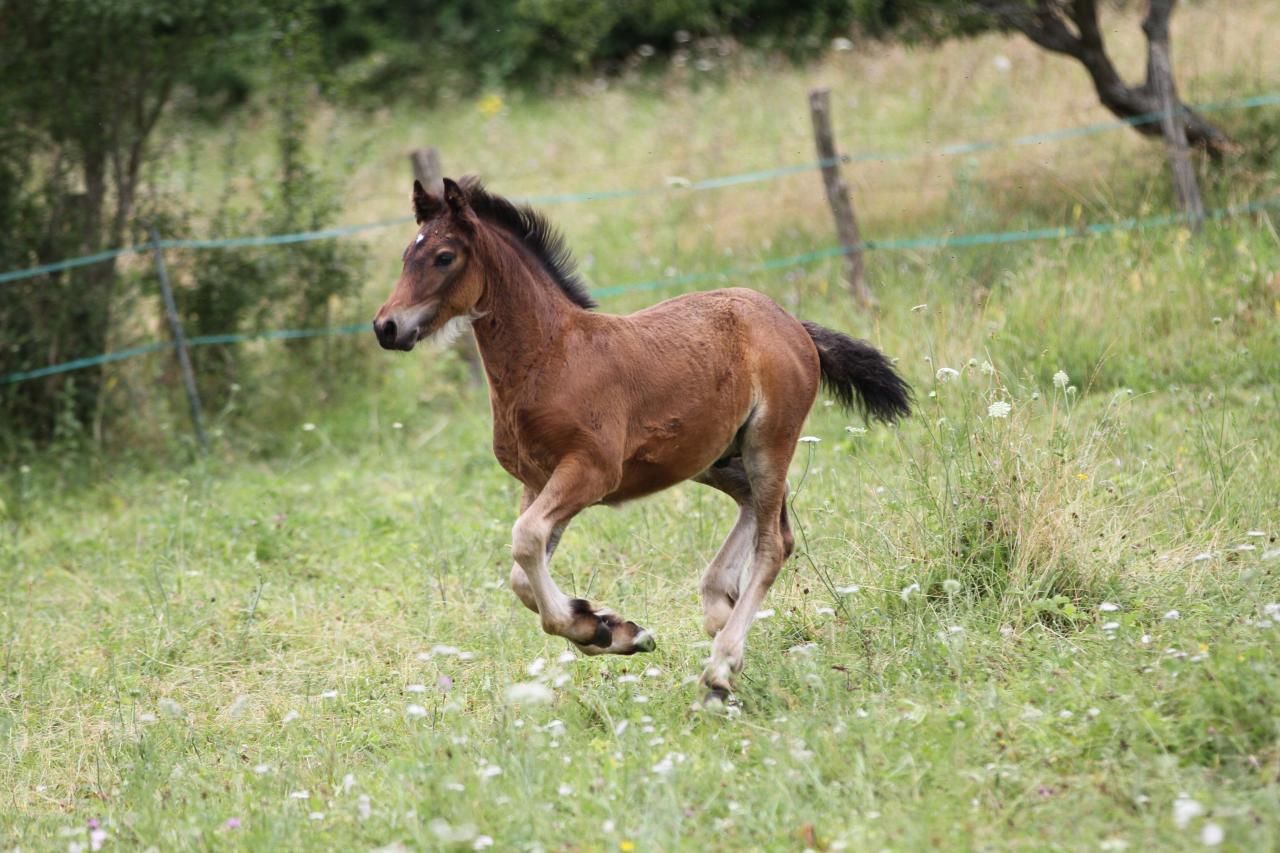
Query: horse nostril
(387, 333)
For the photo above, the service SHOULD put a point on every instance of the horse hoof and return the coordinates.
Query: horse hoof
(644, 641)
(716, 699)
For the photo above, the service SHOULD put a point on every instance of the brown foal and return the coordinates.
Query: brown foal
(592, 408)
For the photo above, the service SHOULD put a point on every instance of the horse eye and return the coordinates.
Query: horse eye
(444, 259)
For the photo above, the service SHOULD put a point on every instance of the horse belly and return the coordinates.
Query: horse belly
(675, 442)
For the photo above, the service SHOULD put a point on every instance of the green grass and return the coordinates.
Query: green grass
(184, 644)
(999, 713)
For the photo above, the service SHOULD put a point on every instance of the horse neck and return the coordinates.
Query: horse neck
(522, 312)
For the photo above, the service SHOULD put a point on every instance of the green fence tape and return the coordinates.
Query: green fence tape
(1269, 99)
(939, 241)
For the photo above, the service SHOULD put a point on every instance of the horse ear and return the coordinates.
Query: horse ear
(455, 197)
(425, 205)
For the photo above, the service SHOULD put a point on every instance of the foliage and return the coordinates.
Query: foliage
(81, 178)
(518, 43)
(82, 112)
(277, 287)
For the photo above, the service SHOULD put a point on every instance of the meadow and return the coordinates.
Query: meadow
(1043, 613)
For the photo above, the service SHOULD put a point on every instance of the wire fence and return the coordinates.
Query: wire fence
(954, 241)
(805, 258)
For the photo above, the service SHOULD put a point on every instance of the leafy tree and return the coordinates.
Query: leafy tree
(83, 85)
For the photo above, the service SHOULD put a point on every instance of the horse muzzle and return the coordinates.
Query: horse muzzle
(392, 336)
(403, 328)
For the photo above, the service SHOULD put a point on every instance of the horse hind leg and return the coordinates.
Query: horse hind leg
(767, 451)
(723, 580)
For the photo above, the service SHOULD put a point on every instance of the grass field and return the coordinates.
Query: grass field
(1052, 629)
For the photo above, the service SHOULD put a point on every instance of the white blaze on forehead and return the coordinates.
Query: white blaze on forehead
(419, 240)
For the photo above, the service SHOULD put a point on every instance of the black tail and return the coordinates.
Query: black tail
(859, 375)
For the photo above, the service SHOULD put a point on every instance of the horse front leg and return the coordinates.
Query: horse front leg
(519, 580)
(573, 486)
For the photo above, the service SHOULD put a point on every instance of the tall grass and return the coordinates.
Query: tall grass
(1047, 626)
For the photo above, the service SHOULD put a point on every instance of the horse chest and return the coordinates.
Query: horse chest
(524, 452)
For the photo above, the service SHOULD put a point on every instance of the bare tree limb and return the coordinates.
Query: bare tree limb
(1050, 24)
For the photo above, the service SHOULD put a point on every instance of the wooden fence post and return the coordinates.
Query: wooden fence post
(427, 169)
(838, 197)
(179, 342)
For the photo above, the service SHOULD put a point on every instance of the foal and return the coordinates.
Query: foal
(593, 408)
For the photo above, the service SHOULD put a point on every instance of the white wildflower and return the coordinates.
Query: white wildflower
(842, 44)
(530, 692)
(951, 586)
(364, 806)
(764, 614)
(1211, 834)
(170, 708)
(1061, 379)
(1108, 607)
(849, 589)
(489, 771)
(946, 374)
(415, 688)
(289, 717)
(1184, 810)
(415, 711)
(1172, 615)
(1001, 62)
(999, 409)
(481, 842)
(329, 694)
(907, 590)
(299, 795)
(809, 439)
(536, 666)
(308, 427)
(987, 369)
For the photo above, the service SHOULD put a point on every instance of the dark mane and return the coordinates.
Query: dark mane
(536, 233)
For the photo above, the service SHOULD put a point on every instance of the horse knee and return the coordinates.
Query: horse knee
(529, 539)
